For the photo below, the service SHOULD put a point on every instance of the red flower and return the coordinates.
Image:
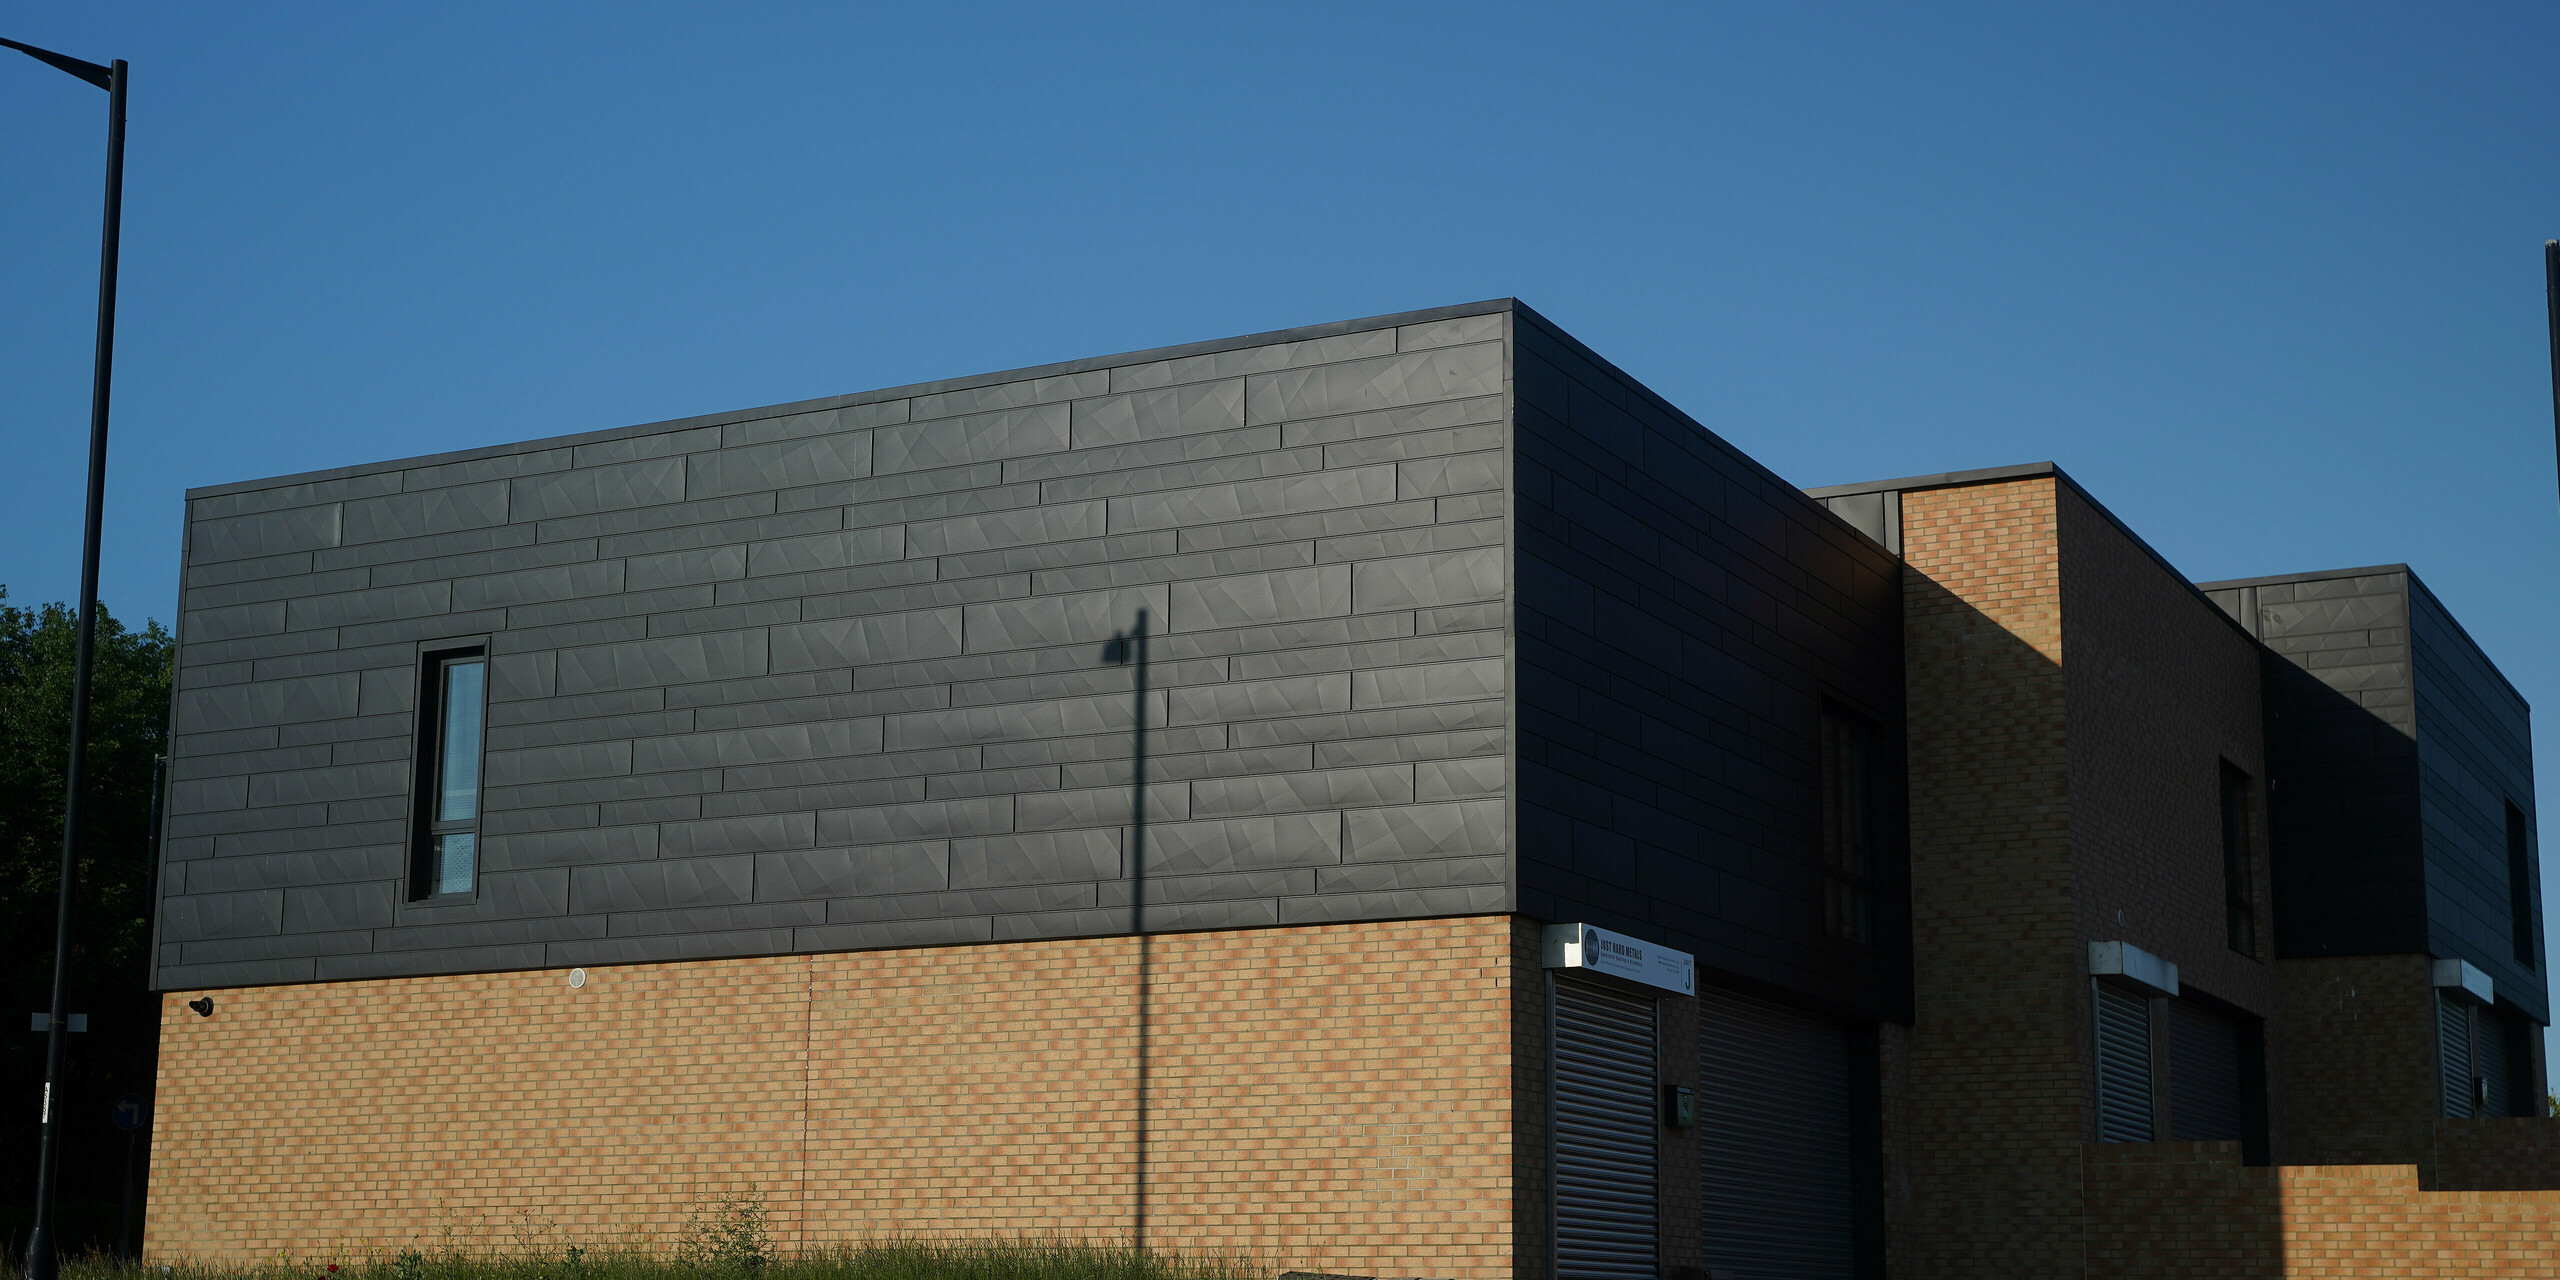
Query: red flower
(333, 1266)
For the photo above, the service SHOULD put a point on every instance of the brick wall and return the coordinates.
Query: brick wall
(2303, 1222)
(2361, 1068)
(1893, 1077)
(2508, 1153)
(1340, 1097)
(1993, 1059)
(2351, 1222)
(1528, 1100)
(2162, 690)
(2181, 1208)
(1682, 1239)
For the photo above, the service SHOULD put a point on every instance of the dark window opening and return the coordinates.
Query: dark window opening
(2239, 870)
(2520, 883)
(453, 692)
(1848, 826)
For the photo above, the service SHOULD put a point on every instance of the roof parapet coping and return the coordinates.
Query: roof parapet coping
(1303, 333)
(2133, 967)
(2465, 977)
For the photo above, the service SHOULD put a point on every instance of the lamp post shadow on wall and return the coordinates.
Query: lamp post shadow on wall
(1129, 648)
(41, 1260)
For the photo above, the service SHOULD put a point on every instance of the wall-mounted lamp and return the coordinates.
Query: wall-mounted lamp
(203, 1005)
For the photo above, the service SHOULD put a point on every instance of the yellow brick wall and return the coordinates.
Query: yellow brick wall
(1991, 1070)
(1339, 1097)
(2192, 1209)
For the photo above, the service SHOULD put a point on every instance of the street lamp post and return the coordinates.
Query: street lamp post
(41, 1260)
(2551, 300)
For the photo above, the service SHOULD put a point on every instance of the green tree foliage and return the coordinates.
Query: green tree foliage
(111, 921)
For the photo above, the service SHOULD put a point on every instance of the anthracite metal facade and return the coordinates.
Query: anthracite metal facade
(832, 675)
(2394, 749)
(1684, 617)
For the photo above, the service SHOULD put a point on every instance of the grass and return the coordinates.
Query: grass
(985, 1259)
(722, 1237)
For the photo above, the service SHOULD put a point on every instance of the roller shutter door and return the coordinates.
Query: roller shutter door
(2489, 1061)
(1776, 1184)
(1606, 1118)
(2453, 1045)
(2204, 1075)
(2124, 1065)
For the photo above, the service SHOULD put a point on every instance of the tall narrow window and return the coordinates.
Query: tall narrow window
(448, 844)
(2520, 883)
(2239, 870)
(1848, 825)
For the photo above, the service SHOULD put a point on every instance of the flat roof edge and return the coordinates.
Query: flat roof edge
(2317, 575)
(1942, 480)
(1303, 333)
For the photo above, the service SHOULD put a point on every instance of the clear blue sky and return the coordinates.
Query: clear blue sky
(2266, 278)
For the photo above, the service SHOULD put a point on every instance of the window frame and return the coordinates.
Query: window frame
(1847, 826)
(427, 829)
(2240, 844)
(2521, 904)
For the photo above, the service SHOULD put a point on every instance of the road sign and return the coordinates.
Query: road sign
(131, 1111)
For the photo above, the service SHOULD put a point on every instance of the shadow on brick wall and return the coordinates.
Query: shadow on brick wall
(2500, 1154)
(2182, 1208)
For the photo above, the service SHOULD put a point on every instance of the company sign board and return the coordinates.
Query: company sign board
(1615, 955)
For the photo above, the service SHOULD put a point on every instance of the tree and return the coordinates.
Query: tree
(111, 917)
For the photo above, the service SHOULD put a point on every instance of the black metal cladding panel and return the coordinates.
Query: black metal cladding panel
(1682, 616)
(2344, 807)
(2475, 757)
(831, 675)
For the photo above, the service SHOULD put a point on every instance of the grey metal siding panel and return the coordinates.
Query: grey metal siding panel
(1683, 615)
(831, 675)
(2475, 757)
(2345, 853)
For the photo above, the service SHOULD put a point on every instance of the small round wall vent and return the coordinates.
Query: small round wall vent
(577, 978)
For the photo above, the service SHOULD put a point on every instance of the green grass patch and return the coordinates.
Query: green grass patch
(1028, 1258)
(722, 1237)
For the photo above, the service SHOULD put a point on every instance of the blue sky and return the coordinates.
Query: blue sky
(2266, 278)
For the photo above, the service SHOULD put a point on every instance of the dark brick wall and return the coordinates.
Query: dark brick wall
(1682, 616)
(2162, 689)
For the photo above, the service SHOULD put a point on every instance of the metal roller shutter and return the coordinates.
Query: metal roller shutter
(2453, 1043)
(2124, 1066)
(2489, 1062)
(1606, 1125)
(2204, 1075)
(1776, 1181)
